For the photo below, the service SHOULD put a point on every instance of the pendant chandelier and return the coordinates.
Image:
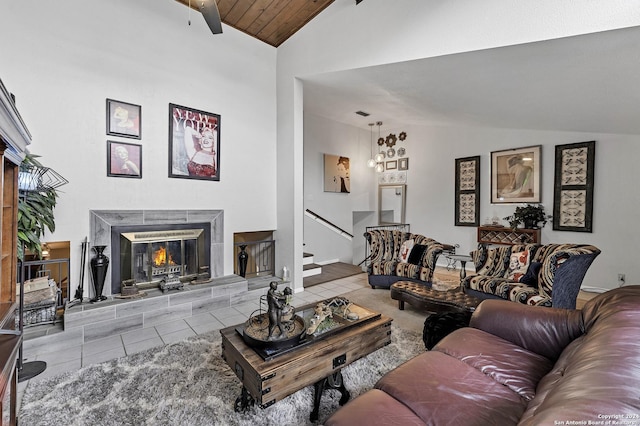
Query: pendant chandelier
(371, 162)
(379, 158)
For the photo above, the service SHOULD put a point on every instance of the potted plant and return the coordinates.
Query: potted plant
(531, 216)
(35, 207)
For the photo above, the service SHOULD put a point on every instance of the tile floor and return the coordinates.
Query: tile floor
(61, 356)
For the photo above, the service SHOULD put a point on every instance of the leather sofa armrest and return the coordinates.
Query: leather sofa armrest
(545, 331)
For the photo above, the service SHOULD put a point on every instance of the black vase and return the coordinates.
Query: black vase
(242, 260)
(99, 266)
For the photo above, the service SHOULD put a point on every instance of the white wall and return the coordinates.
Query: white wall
(346, 36)
(323, 136)
(430, 189)
(62, 60)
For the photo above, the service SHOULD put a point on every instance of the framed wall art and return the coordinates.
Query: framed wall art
(467, 192)
(124, 160)
(194, 143)
(336, 174)
(124, 119)
(391, 165)
(573, 187)
(515, 175)
(403, 164)
(393, 177)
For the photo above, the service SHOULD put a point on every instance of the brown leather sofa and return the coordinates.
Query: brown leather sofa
(518, 365)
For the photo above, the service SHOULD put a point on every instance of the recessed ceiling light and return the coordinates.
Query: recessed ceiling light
(362, 113)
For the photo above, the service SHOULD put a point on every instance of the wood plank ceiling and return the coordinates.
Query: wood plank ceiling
(271, 21)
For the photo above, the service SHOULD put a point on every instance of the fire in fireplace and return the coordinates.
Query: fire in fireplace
(152, 256)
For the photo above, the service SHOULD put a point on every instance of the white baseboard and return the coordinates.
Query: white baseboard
(326, 262)
(589, 289)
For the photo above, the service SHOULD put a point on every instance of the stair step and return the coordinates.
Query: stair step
(311, 269)
(307, 258)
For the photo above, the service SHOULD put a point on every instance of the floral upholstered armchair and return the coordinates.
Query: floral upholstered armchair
(533, 274)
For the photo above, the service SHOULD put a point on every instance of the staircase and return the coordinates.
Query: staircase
(309, 268)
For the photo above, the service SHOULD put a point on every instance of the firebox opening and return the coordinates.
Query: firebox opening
(154, 254)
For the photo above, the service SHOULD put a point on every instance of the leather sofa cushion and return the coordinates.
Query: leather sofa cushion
(375, 408)
(508, 364)
(444, 390)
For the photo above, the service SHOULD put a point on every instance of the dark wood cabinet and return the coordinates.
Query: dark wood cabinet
(14, 138)
(505, 235)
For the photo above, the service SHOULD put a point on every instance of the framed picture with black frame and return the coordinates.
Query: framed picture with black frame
(467, 192)
(124, 119)
(124, 160)
(573, 187)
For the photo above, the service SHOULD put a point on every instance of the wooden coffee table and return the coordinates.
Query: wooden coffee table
(268, 378)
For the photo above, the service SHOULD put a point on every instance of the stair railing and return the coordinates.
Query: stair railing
(335, 228)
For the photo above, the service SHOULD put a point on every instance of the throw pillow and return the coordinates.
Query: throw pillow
(531, 277)
(405, 251)
(518, 265)
(416, 254)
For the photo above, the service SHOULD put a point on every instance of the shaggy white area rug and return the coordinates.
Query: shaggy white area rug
(188, 383)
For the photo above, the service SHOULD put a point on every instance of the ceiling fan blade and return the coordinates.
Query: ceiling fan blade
(209, 9)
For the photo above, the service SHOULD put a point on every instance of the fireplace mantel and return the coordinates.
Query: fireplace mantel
(101, 222)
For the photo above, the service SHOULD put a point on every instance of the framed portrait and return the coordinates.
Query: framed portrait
(194, 143)
(573, 187)
(391, 165)
(403, 164)
(515, 175)
(336, 174)
(467, 204)
(124, 160)
(124, 119)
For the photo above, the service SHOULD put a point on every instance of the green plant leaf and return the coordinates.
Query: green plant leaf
(35, 212)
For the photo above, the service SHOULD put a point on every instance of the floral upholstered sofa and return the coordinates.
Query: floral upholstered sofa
(400, 256)
(533, 274)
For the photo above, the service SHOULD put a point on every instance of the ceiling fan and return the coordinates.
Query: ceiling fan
(209, 9)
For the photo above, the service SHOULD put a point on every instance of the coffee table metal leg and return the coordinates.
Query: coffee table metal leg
(334, 381)
(244, 401)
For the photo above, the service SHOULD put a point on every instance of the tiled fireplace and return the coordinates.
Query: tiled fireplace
(151, 245)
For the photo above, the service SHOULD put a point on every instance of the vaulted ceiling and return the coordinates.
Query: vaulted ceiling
(580, 83)
(271, 21)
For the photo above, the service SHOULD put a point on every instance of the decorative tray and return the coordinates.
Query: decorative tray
(330, 326)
